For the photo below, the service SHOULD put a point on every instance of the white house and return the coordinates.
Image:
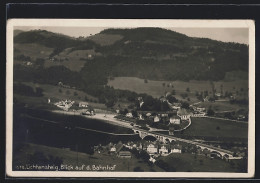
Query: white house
(113, 149)
(148, 114)
(176, 149)
(129, 115)
(183, 114)
(83, 104)
(175, 120)
(152, 149)
(152, 159)
(141, 117)
(163, 150)
(156, 119)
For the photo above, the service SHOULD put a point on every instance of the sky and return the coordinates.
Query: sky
(237, 35)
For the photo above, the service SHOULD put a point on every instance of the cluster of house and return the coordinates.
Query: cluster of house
(84, 109)
(64, 104)
(154, 149)
(114, 149)
(60, 84)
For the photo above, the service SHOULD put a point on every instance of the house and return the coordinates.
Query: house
(199, 109)
(152, 149)
(163, 150)
(141, 117)
(176, 106)
(175, 120)
(124, 154)
(129, 115)
(141, 104)
(218, 94)
(198, 114)
(148, 114)
(206, 99)
(113, 149)
(28, 63)
(152, 160)
(156, 119)
(164, 115)
(183, 114)
(83, 104)
(176, 148)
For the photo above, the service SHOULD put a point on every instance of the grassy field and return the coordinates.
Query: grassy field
(74, 158)
(32, 50)
(156, 89)
(73, 60)
(74, 65)
(189, 163)
(222, 106)
(205, 127)
(53, 92)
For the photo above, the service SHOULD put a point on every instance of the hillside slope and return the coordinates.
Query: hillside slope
(151, 53)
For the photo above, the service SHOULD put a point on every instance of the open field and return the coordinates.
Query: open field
(221, 106)
(32, 50)
(74, 65)
(187, 162)
(73, 60)
(53, 92)
(205, 127)
(156, 89)
(73, 158)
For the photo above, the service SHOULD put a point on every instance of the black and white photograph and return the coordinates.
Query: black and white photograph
(130, 98)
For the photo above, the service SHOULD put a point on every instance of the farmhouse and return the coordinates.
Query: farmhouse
(163, 150)
(129, 115)
(176, 148)
(175, 120)
(152, 149)
(83, 104)
(183, 114)
(156, 119)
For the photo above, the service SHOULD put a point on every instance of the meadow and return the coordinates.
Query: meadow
(157, 89)
(216, 128)
(187, 162)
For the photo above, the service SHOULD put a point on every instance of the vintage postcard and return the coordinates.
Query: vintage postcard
(130, 98)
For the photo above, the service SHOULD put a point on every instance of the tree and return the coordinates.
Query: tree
(163, 84)
(134, 113)
(110, 103)
(188, 89)
(38, 92)
(171, 99)
(185, 105)
(210, 112)
(60, 90)
(145, 81)
(144, 155)
(173, 92)
(138, 169)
